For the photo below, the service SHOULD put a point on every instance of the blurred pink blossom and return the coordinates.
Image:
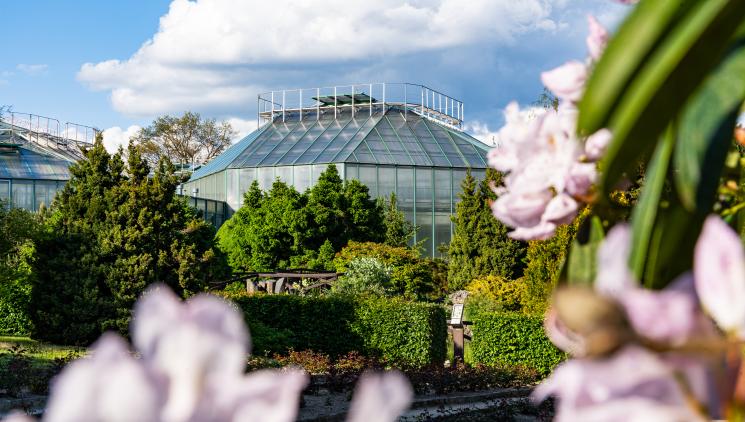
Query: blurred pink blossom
(597, 39)
(597, 143)
(566, 81)
(631, 385)
(719, 274)
(380, 397)
(192, 369)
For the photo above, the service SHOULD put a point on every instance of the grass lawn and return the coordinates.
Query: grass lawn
(27, 366)
(36, 349)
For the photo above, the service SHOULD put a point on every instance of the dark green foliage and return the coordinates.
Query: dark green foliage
(411, 276)
(410, 334)
(398, 230)
(114, 231)
(513, 339)
(480, 245)
(284, 228)
(545, 260)
(19, 232)
(401, 333)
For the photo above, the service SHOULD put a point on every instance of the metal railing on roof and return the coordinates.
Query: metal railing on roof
(47, 131)
(296, 104)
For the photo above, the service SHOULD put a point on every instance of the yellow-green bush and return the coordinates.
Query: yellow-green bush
(507, 293)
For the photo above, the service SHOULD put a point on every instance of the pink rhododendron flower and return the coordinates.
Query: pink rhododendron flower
(719, 274)
(380, 397)
(613, 275)
(191, 369)
(580, 178)
(521, 209)
(632, 384)
(542, 231)
(597, 143)
(109, 386)
(560, 210)
(597, 39)
(561, 336)
(567, 81)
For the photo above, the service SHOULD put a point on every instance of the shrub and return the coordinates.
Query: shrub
(545, 260)
(513, 339)
(364, 277)
(312, 362)
(266, 340)
(408, 334)
(508, 293)
(401, 333)
(411, 276)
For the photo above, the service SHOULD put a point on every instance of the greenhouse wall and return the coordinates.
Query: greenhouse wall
(29, 194)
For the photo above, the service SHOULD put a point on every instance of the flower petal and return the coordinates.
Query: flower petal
(719, 274)
(567, 81)
(380, 397)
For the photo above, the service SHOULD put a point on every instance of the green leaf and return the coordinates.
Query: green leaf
(582, 262)
(625, 54)
(706, 129)
(645, 213)
(674, 70)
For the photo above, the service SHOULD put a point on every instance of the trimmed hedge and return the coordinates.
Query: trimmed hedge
(513, 339)
(401, 333)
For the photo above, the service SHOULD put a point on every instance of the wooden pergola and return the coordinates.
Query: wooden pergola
(282, 281)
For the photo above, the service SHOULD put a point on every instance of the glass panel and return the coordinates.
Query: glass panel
(23, 194)
(233, 198)
(473, 155)
(363, 154)
(352, 172)
(458, 176)
(447, 144)
(45, 192)
(344, 137)
(429, 143)
(392, 143)
(5, 191)
(304, 143)
(288, 142)
(424, 221)
(405, 188)
(369, 178)
(284, 173)
(267, 145)
(266, 178)
(317, 170)
(316, 148)
(379, 149)
(479, 175)
(408, 141)
(424, 187)
(442, 230)
(386, 181)
(302, 178)
(442, 190)
(346, 151)
(246, 178)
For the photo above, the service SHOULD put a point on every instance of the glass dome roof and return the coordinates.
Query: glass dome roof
(383, 135)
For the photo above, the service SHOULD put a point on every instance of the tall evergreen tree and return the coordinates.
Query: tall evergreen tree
(114, 232)
(398, 230)
(463, 250)
(480, 245)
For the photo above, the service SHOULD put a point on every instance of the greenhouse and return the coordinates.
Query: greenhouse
(395, 138)
(35, 155)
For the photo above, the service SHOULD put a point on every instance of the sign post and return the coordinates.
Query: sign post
(456, 321)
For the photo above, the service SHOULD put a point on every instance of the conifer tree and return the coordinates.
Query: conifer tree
(463, 249)
(480, 245)
(116, 230)
(398, 230)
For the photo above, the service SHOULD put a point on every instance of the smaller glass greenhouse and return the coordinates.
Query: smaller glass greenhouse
(395, 138)
(35, 156)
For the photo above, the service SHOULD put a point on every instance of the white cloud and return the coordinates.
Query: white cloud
(114, 137)
(32, 69)
(242, 127)
(217, 54)
(481, 131)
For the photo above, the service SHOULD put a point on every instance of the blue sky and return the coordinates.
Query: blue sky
(117, 65)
